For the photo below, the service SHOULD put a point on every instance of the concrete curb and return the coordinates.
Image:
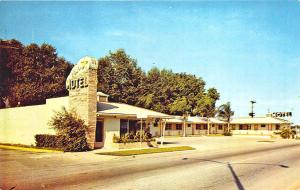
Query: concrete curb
(9, 147)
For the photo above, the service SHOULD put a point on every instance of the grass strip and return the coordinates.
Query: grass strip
(215, 135)
(146, 151)
(265, 141)
(29, 149)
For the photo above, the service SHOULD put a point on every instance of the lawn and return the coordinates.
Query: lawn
(146, 151)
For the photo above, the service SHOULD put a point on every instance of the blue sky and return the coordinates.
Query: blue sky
(247, 50)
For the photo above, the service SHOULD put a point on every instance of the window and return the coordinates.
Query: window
(123, 126)
(248, 127)
(178, 126)
(232, 127)
(240, 127)
(263, 125)
(168, 126)
(277, 127)
(205, 126)
(133, 126)
(189, 125)
(220, 127)
(198, 126)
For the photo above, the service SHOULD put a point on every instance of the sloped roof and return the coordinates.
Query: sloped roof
(102, 94)
(258, 120)
(215, 120)
(120, 109)
(176, 119)
(194, 119)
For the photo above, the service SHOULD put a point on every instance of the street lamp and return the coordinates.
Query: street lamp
(252, 114)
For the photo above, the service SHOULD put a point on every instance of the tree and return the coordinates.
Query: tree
(120, 77)
(33, 73)
(10, 55)
(206, 104)
(180, 106)
(225, 112)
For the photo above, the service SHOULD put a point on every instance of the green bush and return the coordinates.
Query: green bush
(48, 141)
(131, 137)
(227, 133)
(116, 139)
(71, 129)
(286, 133)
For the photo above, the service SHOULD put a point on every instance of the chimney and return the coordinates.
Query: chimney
(101, 97)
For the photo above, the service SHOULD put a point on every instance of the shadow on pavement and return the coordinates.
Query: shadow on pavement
(234, 175)
(158, 142)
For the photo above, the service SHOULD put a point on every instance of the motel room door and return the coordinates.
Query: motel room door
(99, 134)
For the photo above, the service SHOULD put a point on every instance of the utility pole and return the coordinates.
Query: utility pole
(252, 114)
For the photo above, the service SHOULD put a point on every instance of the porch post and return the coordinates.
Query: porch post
(163, 133)
(141, 129)
(184, 130)
(127, 125)
(208, 126)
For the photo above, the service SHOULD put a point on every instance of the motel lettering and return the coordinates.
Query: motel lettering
(73, 84)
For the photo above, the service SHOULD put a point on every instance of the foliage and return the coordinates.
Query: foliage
(48, 141)
(71, 129)
(131, 137)
(159, 90)
(30, 74)
(227, 133)
(225, 112)
(286, 133)
(120, 77)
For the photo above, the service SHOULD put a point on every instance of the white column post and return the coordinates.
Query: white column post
(163, 133)
(141, 130)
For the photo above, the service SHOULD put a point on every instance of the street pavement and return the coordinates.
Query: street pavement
(217, 163)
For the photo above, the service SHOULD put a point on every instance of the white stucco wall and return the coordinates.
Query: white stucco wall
(19, 125)
(111, 127)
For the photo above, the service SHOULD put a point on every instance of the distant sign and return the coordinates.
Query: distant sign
(282, 114)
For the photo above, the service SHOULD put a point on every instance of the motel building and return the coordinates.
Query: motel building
(266, 125)
(105, 119)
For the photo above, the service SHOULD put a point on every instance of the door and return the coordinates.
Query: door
(99, 135)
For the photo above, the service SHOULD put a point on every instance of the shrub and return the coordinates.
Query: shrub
(116, 139)
(227, 133)
(71, 129)
(48, 141)
(131, 137)
(286, 133)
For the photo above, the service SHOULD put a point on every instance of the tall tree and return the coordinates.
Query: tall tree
(206, 104)
(10, 55)
(173, 93)
(35, 74)
(225, 112)
(120, 77)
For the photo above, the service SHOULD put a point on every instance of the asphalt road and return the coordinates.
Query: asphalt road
(268, 166)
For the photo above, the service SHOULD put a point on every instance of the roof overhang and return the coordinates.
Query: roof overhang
(134, 116)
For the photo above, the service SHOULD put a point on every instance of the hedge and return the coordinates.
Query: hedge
(48, 141)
